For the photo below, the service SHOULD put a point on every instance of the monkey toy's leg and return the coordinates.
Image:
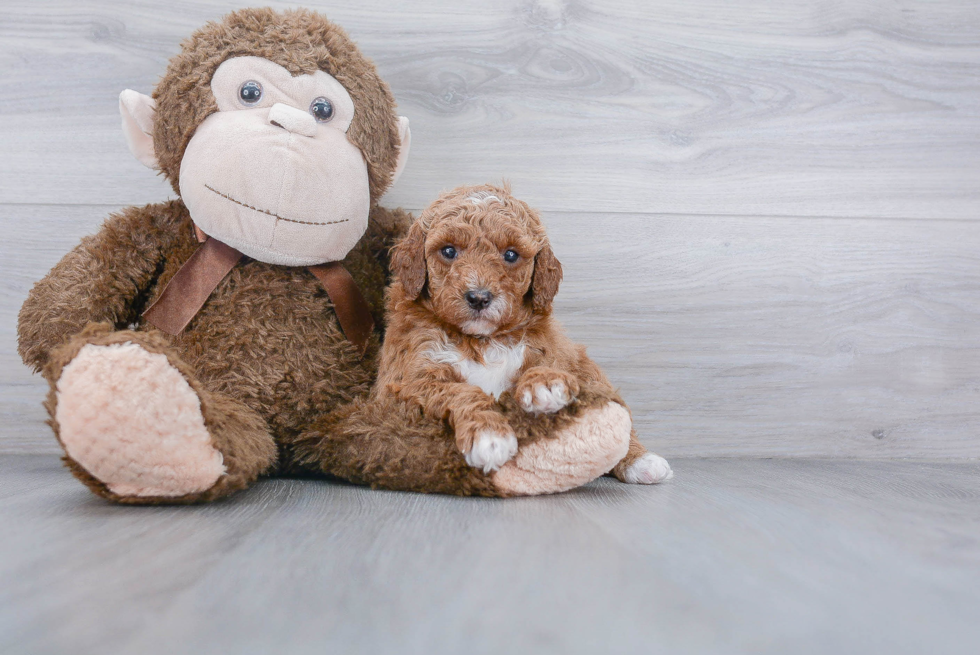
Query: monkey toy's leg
(578, 444)
(138, 427)
(386, 444)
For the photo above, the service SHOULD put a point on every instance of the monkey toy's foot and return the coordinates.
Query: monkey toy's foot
(131, 420)
(580, 453)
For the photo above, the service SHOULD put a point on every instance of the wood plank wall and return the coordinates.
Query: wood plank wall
(767, 211)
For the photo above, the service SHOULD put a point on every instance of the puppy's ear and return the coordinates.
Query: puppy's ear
(408, 261)
(547, 277)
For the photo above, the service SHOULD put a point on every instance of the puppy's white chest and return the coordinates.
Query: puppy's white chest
(497, 372)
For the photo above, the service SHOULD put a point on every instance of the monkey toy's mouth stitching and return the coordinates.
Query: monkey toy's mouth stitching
(266, 211)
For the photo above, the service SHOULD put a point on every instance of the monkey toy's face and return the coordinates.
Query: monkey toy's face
(272, 172)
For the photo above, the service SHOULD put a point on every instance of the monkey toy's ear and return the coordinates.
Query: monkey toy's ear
(138, 112)
(405, 138)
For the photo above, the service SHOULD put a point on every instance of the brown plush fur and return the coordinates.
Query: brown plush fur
(387, 443)
(265, 353)
(238, 432)
(428, 312)
(111, 277)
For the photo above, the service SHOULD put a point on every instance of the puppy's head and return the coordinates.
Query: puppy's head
(479, 259)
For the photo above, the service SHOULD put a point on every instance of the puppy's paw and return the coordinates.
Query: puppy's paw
(649, 469)
(491, 449)
(545, 391)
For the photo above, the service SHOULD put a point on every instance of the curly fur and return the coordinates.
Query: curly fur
(435, 339)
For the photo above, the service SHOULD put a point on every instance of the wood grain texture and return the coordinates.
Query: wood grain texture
(36, 237)
(729, 337)
(764, 336)
(839, 108)
(732, 556)
(674, 146)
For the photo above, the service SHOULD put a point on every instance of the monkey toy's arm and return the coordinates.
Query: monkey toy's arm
(385, 227)
(103, 279)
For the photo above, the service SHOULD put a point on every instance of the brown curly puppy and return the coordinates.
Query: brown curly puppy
(469, 319)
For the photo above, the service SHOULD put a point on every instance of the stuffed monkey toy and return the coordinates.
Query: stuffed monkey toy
(194, 345)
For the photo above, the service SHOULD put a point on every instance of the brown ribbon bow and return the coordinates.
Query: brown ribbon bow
(200, 275)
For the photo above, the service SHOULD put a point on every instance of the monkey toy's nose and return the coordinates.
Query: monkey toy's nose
(478, 299)
(293, 120)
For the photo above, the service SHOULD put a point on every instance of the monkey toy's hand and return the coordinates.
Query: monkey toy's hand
(544, 390)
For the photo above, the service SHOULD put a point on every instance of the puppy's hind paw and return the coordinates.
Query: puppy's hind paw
(491, 450)
(649, 469)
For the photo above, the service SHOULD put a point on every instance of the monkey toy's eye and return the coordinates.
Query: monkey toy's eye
(511, 256)
(322, 110)
(250, 92)
(448, 252)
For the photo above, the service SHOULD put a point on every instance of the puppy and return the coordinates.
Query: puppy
(469, 318)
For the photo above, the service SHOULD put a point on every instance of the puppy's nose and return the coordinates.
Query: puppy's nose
(478, 299)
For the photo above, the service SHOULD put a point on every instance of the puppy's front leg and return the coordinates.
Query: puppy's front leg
(483, 436)
(545, 390)
(485, 439)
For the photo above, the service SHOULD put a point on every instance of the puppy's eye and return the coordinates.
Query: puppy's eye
(250, 92)
(448, 252)
(511, 256)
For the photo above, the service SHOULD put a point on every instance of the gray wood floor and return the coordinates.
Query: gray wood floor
(732, 556)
